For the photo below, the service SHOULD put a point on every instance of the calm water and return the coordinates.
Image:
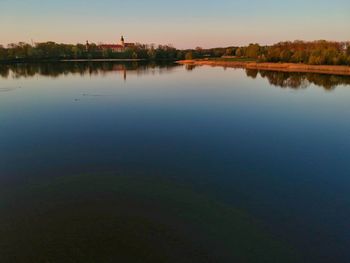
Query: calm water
(163, 163)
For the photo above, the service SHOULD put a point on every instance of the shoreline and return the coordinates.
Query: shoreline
(284, 67)
(23, 61)
(102, 60)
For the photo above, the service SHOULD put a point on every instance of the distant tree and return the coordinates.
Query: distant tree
(179, 55)
(299, 56)
(229, 52)
(239, 52)
(3, 53)
(218, 52)
(286, 55)
(134, 55)
(273, 54)
(253, 51)
(316, 58)
(151, 53)
(189, 56)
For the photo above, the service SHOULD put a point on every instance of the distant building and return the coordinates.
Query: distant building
(117, 47)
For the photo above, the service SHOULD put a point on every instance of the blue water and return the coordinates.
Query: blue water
(275, 146)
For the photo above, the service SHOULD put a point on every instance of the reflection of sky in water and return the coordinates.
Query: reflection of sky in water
(280, 154)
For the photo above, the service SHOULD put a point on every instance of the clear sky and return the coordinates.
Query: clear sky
(183, 23)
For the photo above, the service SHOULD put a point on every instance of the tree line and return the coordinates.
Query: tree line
(55, 51)
(314, 53)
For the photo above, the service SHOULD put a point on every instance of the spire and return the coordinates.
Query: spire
(122, 41)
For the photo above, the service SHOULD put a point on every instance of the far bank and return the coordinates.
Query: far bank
(286, 67)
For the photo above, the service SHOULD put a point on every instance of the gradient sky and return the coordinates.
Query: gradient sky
(183, 23)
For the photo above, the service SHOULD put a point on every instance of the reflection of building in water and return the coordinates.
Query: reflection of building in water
(117, 47)
(116, 69)
(124, 75)
(121, 69)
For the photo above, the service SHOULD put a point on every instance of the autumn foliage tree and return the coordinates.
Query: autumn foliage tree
(314, 53)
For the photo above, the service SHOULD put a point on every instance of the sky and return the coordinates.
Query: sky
(182, 23)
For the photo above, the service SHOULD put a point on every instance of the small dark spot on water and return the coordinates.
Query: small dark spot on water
(92, 95)
(6, 89)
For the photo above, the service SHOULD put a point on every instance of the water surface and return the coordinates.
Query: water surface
(162, 163)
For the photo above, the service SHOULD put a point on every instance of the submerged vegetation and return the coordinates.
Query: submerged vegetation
(314, 53)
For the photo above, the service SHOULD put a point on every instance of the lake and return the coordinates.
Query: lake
(138, 162)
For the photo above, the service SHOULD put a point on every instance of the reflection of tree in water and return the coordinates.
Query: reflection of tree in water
(82, 68)
(190, 67)
(4, 72)
(252, 73)
(299, 80)
(281, 79)
(286, 79)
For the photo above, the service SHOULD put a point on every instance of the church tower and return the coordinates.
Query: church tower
(122, 41)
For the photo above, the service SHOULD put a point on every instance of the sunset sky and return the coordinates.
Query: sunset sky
(183, 23)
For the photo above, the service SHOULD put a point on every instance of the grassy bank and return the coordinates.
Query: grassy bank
(286, 67)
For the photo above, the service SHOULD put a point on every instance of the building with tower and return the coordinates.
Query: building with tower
(117, 47)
